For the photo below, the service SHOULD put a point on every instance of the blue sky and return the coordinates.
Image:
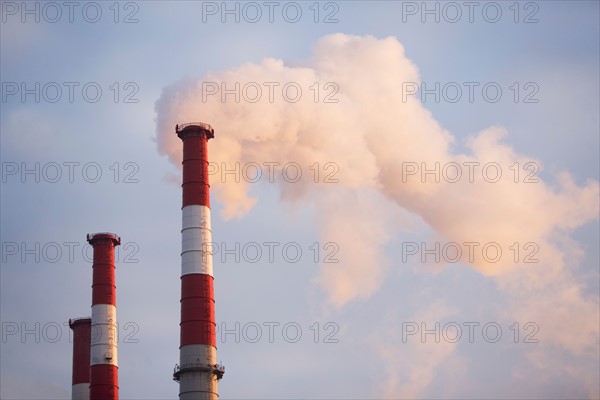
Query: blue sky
(360, 310)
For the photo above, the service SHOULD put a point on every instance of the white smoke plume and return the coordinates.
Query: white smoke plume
(374, 136)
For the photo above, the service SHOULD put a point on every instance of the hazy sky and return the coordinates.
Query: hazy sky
(405, 194)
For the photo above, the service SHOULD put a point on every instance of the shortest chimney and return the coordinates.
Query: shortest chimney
(81, 357)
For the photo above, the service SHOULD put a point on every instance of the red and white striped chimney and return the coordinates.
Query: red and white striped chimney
(198, 371)
(81, 358)
(104, 370)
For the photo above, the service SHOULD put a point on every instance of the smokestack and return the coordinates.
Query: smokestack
(81, 357)
(198, 371)
(104, 370)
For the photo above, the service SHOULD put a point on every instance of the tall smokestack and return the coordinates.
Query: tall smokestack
(198, 370)
(81, 358)
(104, 370)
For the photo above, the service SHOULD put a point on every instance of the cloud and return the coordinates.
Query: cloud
(411, 363)
(374, 136)
(357, 229)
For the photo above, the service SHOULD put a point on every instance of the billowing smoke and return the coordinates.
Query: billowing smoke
(353, 113)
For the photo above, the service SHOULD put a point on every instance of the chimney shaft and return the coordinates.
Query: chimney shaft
(198, 370)
(81, 358)
(104, 378)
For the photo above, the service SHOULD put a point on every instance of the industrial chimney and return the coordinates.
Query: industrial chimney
(81, 358)
(104, 377)
(198, 371)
